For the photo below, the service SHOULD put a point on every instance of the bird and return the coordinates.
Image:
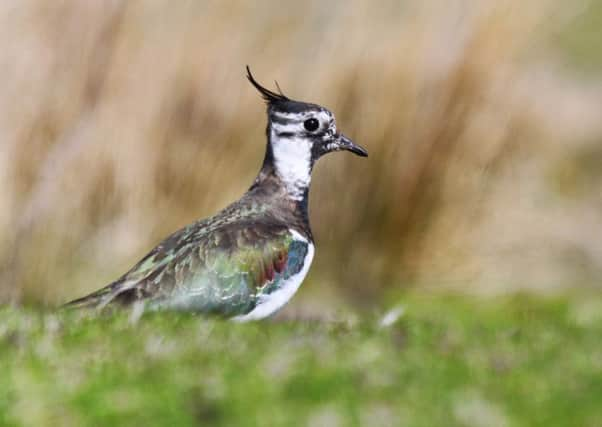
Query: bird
(247, 261)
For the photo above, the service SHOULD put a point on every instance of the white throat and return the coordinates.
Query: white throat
(292, 161)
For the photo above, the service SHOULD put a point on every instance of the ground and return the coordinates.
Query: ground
(425, 361)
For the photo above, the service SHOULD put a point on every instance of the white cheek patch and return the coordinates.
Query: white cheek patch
(288, 128)
(292, 160)
(292, 116)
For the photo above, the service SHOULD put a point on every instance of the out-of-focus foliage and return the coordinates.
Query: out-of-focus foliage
(447, 361)
(123, 121)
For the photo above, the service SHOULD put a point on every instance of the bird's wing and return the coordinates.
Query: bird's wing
(223, 270)
(155, 259)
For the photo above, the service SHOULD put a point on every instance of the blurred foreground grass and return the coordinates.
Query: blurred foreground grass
(448, 361)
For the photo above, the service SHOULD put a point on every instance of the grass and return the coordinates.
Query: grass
(446, 361)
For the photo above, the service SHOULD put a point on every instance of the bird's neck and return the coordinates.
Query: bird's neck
(291, 158)
(288, 161)
(284, 181)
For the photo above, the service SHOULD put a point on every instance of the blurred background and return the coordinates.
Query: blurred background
(122, 121)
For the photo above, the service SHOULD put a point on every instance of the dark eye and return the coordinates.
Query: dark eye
(311, 124)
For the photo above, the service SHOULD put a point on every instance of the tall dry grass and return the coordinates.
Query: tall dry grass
(122, 121)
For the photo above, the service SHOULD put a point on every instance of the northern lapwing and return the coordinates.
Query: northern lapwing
(247, 261)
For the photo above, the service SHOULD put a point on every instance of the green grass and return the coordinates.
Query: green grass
(580, 40)
(446, 361)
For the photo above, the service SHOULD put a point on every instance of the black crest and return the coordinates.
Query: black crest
(269, 96)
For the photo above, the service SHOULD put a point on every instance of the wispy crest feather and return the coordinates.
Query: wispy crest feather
(269, 96)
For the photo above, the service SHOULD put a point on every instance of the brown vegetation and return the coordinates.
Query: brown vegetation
(122, 121)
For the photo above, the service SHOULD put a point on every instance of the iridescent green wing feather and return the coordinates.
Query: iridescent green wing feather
(228, 270)
(223, 269)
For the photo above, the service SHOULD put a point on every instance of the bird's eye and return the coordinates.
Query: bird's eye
(311, 124)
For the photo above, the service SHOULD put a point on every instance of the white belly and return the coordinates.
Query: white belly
(269, 304)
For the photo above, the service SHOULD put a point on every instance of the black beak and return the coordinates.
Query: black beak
(345, 143)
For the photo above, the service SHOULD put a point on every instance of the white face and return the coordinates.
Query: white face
(292, 144)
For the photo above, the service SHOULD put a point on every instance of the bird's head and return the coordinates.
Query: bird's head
(299, 133)
(303, 123)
